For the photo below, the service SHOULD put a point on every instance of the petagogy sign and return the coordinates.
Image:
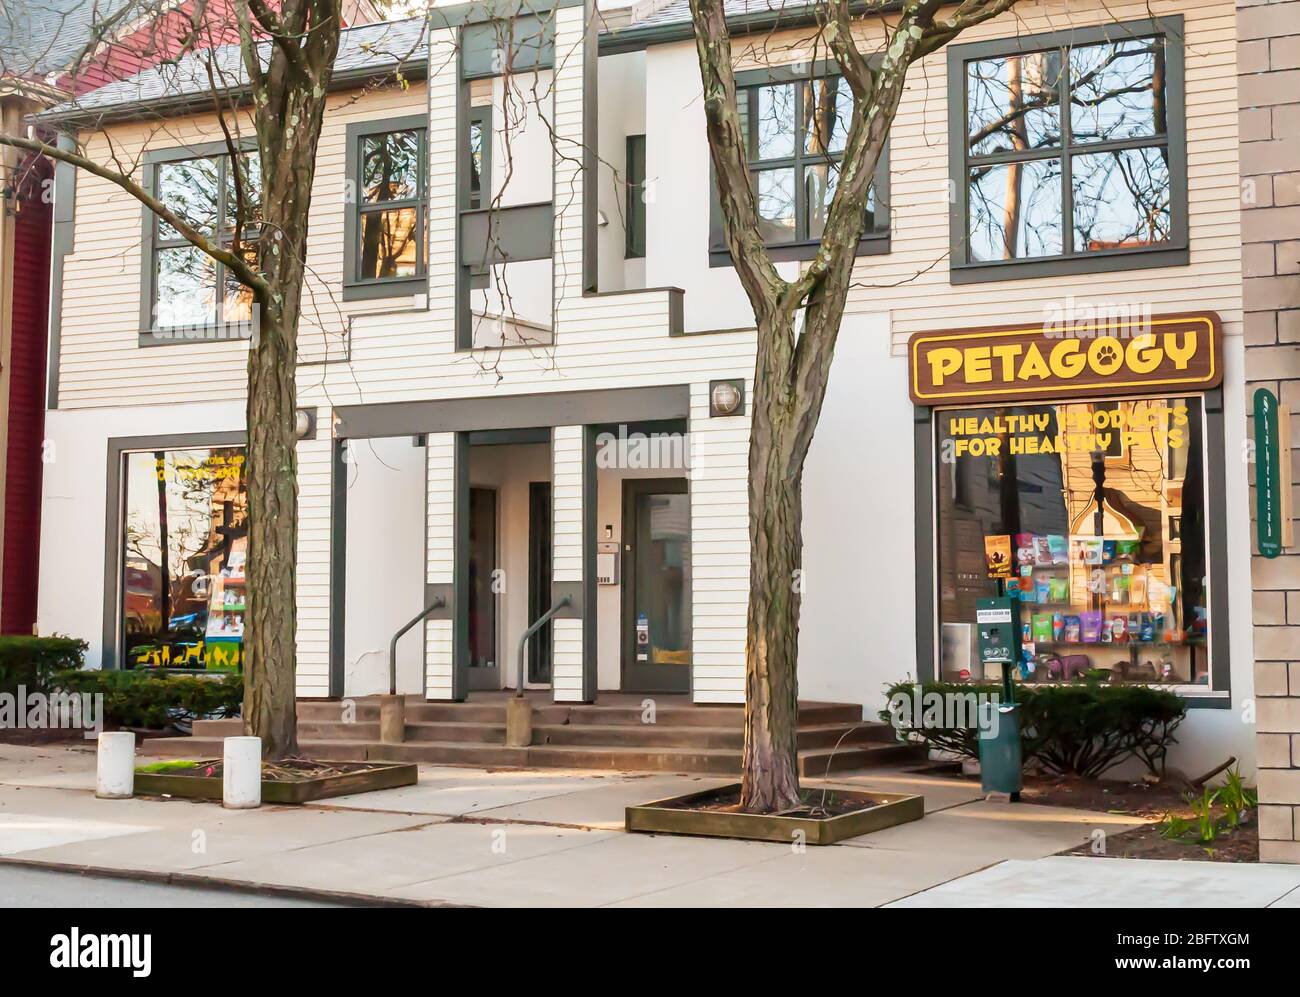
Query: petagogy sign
(1023, 362)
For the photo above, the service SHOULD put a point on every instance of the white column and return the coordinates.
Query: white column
(315, 457)
(719, 477)
(566, 252)
(566, 564)
(440, 563)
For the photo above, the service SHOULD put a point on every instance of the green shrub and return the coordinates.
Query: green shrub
(155, 699)
(32, 661)
(1081, 729)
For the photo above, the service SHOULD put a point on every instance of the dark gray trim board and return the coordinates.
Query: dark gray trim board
(460, 569)
(1174, 252)
(355, 289)
(590, 143)
(925, 525)
(483, 412)
(62, 242)
(590, 647)
(1219, 695)
(338, 585)
(117, 446)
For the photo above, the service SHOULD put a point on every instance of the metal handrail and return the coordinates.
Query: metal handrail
(438, 602)
(540, 622)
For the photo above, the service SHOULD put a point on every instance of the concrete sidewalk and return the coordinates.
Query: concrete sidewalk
(552, 838)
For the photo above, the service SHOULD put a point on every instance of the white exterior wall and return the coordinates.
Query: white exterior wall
(74, 490)
(385, 564)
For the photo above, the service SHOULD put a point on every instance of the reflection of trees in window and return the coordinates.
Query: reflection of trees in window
(1077, 133)
(796, 133)
(208, 194)
(391, 205)
(185, 509)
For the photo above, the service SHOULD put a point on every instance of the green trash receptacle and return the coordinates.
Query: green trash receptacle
(999, 743)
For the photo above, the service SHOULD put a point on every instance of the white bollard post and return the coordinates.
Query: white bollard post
(241, 784)
(115, 766)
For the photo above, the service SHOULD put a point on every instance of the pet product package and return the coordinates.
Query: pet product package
(1090, 625)
(1058, 549)
(997, 556)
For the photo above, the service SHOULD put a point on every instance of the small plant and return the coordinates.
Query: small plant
(1234, 798)
(1083, 729)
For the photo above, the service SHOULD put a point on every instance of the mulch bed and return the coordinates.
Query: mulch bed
(1152, 801)
(286, 770)
(818, 803)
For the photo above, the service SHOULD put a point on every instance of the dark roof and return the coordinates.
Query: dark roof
(41, 38)
(366, 50)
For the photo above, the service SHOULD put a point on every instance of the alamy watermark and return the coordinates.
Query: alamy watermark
(1094, 319)
(918, 709)
(642, 451)
(58, 710)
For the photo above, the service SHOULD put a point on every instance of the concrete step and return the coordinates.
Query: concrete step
(714, 761)
(483, 733)
(820, 762)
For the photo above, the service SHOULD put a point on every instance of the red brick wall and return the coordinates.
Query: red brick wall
(26, 415)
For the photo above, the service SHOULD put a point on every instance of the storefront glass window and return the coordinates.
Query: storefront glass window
(1091, 515)
(185, 542)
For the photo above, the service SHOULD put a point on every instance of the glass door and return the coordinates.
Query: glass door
(656, 585)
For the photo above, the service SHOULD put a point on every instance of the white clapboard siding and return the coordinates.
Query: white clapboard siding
(440, 562)
(569, 71)
(313, 581)
(566, 557)
(100, 362)
(719, 550)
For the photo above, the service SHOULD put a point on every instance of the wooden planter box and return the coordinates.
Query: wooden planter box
(676, 816)
(369, 777)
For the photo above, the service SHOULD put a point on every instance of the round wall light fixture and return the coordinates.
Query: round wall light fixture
(726, 398)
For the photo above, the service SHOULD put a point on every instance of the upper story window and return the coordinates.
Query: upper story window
(1068, 152)
(634, 231)
(385, 250)
(186, 288)
(479, 150)
(795, 127)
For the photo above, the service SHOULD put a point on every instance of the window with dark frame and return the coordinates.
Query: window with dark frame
(205, 193)
(479, 150)
(634, 248)
(1106, 578)
(390, 206)
(1070, 149)
(795, 126)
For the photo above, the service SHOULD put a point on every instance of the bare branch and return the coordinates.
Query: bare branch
(246, 274)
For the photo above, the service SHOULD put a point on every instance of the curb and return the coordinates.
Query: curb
(195, 879)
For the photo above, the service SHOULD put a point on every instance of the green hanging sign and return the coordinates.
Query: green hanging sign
(1270, 506)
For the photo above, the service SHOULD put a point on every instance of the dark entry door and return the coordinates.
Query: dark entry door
(539, 579)
(656, 585)
(484, 665)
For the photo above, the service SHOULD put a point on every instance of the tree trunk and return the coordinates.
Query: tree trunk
(270, 665)
(770, 768)
(289, 111)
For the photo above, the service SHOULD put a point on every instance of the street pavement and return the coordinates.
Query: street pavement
(555, 838)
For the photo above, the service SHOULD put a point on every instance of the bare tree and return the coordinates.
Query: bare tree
(287, 54)
(798, 322)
